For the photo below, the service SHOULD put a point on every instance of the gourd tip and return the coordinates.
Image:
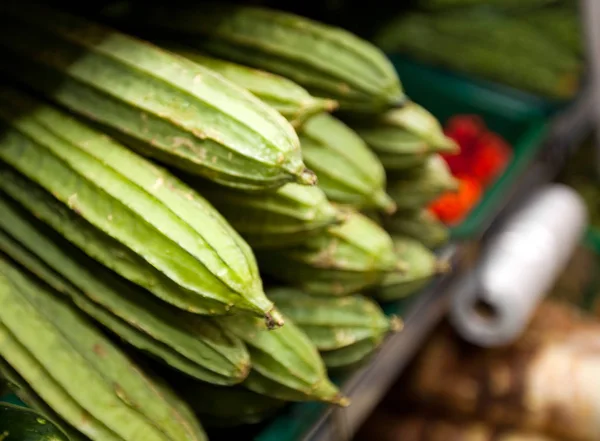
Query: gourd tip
(443, 267)
(396, 324)
(342, 401)
(385, 203)
(307, 177)
(274, 319)
(398, 102)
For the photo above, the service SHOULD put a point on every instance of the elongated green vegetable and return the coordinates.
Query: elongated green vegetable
(163, 105)
(422, 266)
(79, 373)
(350, 356)
(285, 364)
(342, 260)
(277, 219)
(285, 96)
(413, 191)
(421, 225)
(345, 330)
(328, 61)
(192, 344)
(404, 138)
(348, 172)
(105, 199)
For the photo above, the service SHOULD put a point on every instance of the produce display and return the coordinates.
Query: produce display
(198, 215)
(533, 45)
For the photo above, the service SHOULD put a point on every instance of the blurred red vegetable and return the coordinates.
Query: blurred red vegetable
(465, 130)
(490, 156)
(452, 207)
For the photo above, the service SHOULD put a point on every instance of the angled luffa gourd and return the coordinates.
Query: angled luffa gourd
(165, 106)
(188, 342)
(422, 266)
(328, 61)
(80, 374)
(285, 363)
(414, 190)
(341, 260)
(274, 219)
(421, 225)
(125, 212)
(348, 172)
(285, 96)
(404, 138)
(345, 330)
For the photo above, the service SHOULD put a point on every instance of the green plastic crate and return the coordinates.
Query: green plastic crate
(520, 118)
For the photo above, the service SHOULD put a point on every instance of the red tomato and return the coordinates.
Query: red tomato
(489, 158)
(452, 207)
(465, 130)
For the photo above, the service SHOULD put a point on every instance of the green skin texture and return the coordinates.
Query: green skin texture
(125, 200)
(23, 424)
(192, 344)
(421, 225)
(163, 105)
(285, 217)
(225, 406)
(345, 330)
(285, 363)
(340, 261)
(288, 98)
(328, 61)
(348, 172)
(416, 190)
(352, 355)
(422, 267)
(79, 373)
(404, 138)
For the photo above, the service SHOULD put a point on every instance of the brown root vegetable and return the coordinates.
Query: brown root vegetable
(420, 427)
(548, 381)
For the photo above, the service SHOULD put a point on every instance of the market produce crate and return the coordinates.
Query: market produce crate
(520, 118)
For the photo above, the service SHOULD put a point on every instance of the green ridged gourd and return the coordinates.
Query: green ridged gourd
(328, 61)
(342, 260)
(422, 266)
(415, 190)
(346, 330)
(79, 373)
(192, 344)
(288, 98)
(404, 138)
(285, 217)
(285, 363)
(163, 105)
(125, 212)
(348, 172)
(421, 225)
